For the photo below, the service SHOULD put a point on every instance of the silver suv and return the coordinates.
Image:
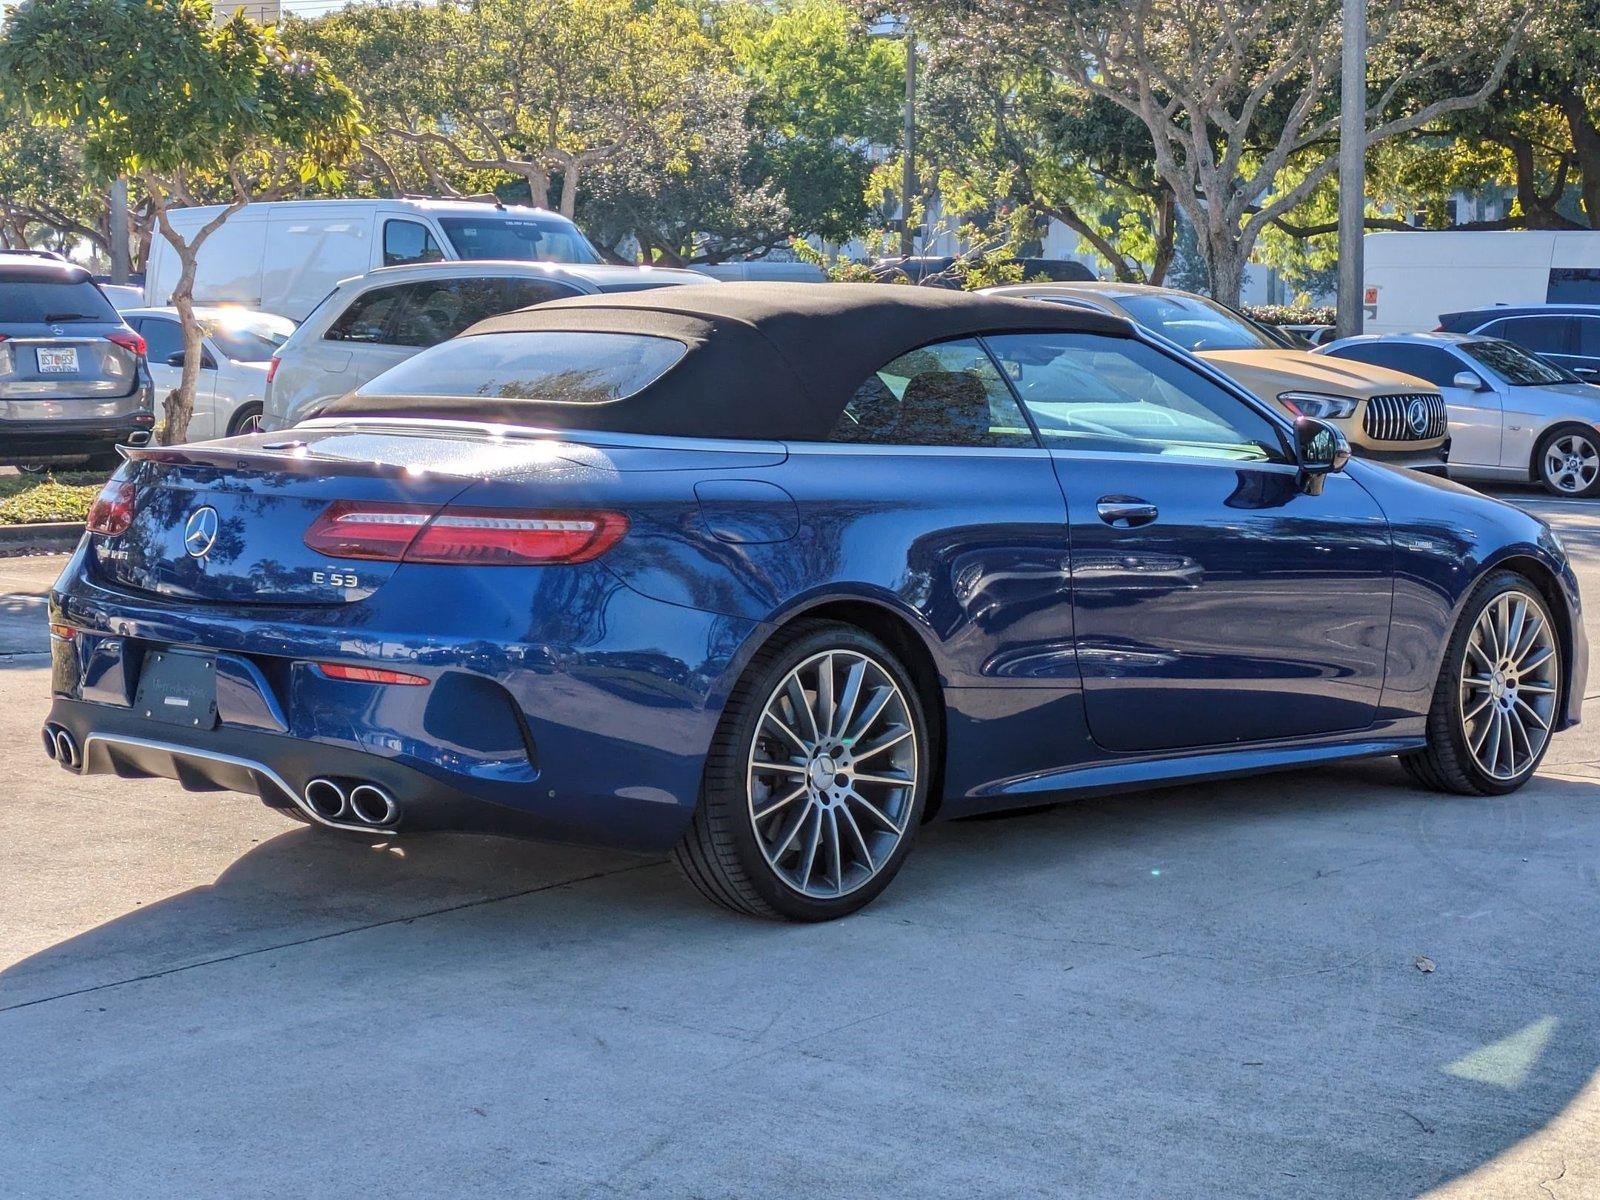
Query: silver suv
(378, 320)
(73, 379)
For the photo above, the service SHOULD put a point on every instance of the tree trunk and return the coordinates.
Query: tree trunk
(538, 187)
(1166, 236)
(1586, 144)
(178, 407)
(1225, 256)
(569, 188)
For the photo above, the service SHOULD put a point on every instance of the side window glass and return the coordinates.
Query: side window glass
(1110, 395)
(367, 317)
(163, 339)
(408, 242)
(1589, 336)
(1542, 335)
(438, 310)
(948, 394)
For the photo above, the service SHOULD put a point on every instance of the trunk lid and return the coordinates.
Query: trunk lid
(225, 522)
(38, 362)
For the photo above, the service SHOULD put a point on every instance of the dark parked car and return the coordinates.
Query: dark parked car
(1567, 334)
(649, 570)
(73, 378)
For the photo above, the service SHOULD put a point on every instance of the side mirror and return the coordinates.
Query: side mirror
(175, 360)
(1467, 380)
(1319, 449)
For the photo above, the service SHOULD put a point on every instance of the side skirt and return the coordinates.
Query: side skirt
(1094, 779)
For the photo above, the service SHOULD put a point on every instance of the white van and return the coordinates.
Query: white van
(284, 256)
(1411, 278)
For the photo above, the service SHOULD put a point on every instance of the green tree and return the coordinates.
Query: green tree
(1240, 98)
(186, 107)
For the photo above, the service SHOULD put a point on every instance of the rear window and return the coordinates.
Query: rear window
(550, 366)
(248, 336)
(39, 302)
(518, 238)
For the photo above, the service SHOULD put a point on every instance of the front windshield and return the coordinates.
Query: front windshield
(1196, 323)
(247, 336)
(1515, 365)
(521, 239)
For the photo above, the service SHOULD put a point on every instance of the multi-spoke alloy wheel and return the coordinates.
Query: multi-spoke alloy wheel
(816, 779)
(1569, 462)
(1508, 685)
(248, 422)
(832, 771)
(1498, 694)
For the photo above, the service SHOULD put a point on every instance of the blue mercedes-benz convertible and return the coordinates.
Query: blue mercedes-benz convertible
(768, 576)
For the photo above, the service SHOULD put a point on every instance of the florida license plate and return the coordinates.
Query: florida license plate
(58, 362)
(178, 687)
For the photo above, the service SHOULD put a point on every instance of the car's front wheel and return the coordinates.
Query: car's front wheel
(1567, 461)
(816, 779)
(1496, 700)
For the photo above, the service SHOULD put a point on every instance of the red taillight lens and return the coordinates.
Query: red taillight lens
(112, 510)
(369, 675)
(469, 536)
(1438, 329)
(272, 367)
(128, 341)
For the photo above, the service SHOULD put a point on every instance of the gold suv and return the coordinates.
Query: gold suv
(1386, 416)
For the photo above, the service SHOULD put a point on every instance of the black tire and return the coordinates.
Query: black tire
(1565, 484)
(719, 853)
(1447, 764)
(243, 414)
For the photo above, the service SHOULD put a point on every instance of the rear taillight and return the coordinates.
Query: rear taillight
(370, 675)
(1438, 329)
(112, 510)
(272, 367)
(128, 341)
(469, 536)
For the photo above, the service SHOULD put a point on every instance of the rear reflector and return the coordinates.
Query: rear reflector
(468, 536)
(128, 341)
(369, 675)
(112, 510)
(62, 633)
(272, 367)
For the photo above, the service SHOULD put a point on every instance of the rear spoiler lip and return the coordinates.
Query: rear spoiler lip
(598, 438)
(294, 455)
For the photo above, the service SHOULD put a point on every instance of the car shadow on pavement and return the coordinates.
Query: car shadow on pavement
(1318, 983)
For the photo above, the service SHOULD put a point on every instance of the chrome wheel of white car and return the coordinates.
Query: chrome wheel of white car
(1509, 685)
(832, 771)
(1569, 462)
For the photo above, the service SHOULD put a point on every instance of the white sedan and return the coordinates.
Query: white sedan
(238, 347)
(1513, 415)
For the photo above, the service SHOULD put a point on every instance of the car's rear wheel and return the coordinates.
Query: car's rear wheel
(246, 420)
(815, 782)
(1496, 700)
(1567, 461)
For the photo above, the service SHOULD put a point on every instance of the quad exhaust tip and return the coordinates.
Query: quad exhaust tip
(359, 803)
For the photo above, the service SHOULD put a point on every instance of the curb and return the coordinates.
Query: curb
(47, 537)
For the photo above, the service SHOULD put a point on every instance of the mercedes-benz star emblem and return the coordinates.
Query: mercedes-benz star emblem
(1417, 415)
(200, 532)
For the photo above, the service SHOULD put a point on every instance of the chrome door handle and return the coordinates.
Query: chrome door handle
(1126, 512)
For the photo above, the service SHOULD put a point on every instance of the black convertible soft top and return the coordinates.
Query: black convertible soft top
(764, 360)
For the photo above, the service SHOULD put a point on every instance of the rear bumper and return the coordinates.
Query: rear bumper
(36, 441)
(560, 705)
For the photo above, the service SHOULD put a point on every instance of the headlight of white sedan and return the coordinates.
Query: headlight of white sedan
(1314, 404)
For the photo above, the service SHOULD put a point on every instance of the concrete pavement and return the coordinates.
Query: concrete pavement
(1210, 991)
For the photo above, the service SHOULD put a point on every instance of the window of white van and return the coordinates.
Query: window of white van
(524, 239)
(408, 242)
